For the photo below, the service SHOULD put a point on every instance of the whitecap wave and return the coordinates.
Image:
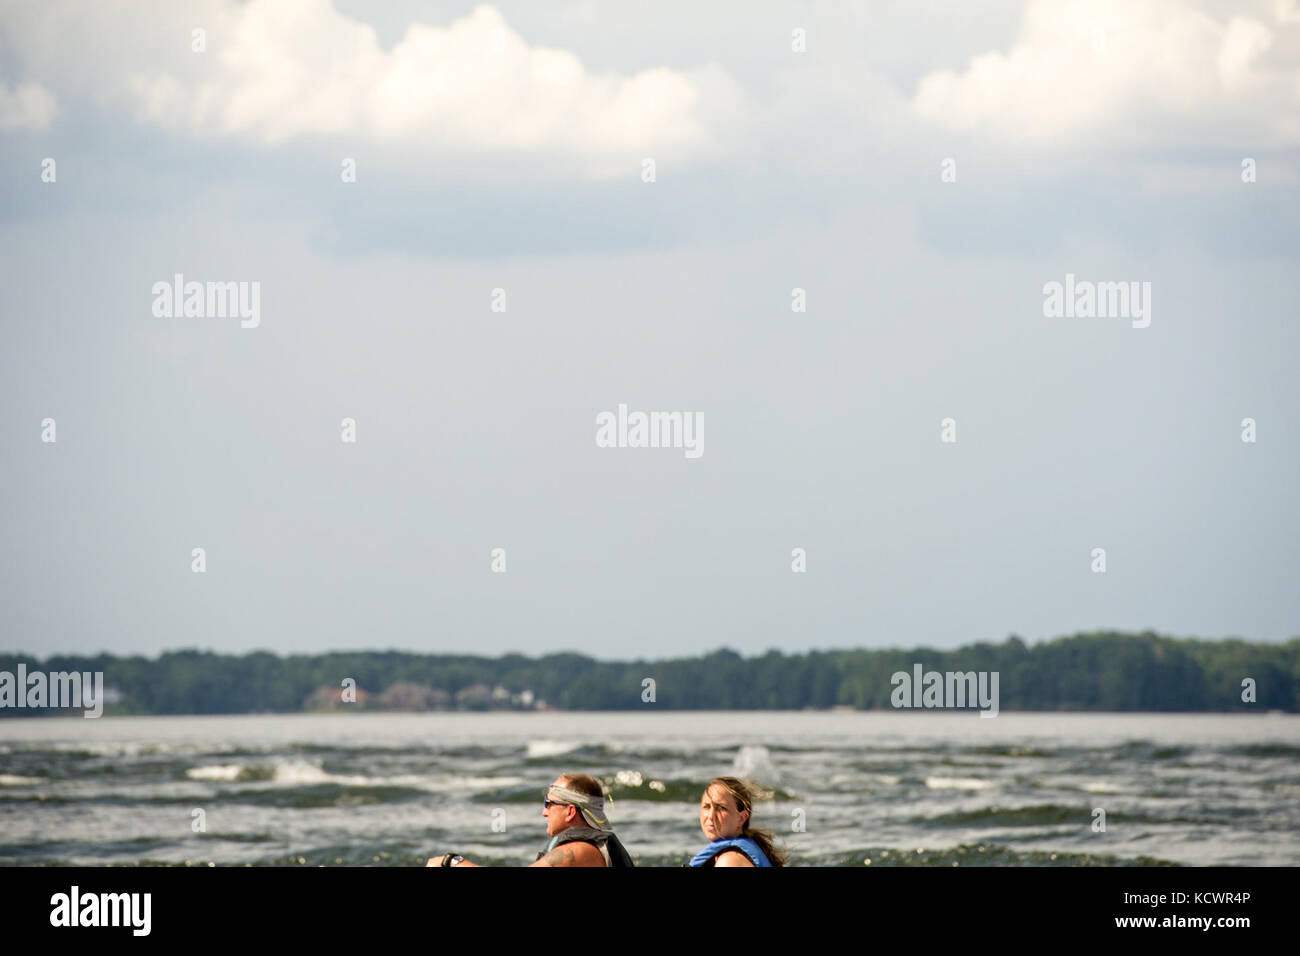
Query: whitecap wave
(17, 780)
(296, 772)
(549, 748)
(222, 771)
(287, 773)
(957, 783)
(754, 762)
(451, 783)
(1099, 787)
(138, 748)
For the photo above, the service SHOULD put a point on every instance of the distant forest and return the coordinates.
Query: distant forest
(1103, 671)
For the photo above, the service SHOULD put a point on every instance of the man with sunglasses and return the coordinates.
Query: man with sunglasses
(574, 807)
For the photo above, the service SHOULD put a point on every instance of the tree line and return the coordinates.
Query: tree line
(1099, 671)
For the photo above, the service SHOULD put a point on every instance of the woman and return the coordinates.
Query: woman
(725, 812)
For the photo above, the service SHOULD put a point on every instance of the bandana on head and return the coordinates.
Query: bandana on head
(591, 808)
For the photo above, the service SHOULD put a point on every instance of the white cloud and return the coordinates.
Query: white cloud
(29, 106)
(1128, 72)
(279, 70)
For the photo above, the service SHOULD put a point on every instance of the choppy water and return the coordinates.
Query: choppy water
(934, 789)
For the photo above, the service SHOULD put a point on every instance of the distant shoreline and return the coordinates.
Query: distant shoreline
(1102, 672)
(54, 715)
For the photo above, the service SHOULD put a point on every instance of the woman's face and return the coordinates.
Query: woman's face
(720, 818)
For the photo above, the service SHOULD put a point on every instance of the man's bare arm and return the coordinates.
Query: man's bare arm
(572, 854)
(560, 856)
(569, 854)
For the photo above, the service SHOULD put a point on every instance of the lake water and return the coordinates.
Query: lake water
(892, 788)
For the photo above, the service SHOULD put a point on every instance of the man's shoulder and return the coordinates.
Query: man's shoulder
(575, 851)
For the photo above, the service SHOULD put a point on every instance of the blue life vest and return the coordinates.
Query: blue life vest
(744, 844)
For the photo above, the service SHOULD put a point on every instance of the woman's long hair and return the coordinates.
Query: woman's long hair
(745, 794)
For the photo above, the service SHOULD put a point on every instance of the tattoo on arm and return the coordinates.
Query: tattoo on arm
(560, 856)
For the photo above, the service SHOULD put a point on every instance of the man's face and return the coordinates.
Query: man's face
(557, 814)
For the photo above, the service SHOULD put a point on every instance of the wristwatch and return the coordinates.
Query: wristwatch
(451, 859)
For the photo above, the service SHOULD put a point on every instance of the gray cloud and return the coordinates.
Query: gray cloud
(476, 429)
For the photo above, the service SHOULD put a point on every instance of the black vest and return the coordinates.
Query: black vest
(604, 840)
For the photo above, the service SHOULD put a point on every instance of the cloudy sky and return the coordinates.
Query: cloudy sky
(920, 170)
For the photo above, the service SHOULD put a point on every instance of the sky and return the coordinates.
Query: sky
(824, 231)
